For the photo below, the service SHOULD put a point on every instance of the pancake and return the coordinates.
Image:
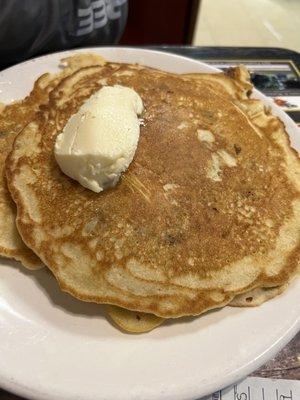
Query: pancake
(13, 118)
(131, 321)
(208, 209)
(234, 83)
(134, 322)
(257, 296)
(17, 115)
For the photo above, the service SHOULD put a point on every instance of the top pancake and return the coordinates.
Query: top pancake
(209, 208)
(13, 118)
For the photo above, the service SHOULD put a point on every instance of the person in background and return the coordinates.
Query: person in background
(32, 27)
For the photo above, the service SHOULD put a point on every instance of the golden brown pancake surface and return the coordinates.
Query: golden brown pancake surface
(209, 208)
(13, 118)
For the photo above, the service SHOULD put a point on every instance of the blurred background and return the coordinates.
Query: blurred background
(274, 23)
(266, 23)
(264, 35)
(29, 28)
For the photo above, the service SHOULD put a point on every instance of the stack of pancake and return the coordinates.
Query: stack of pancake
(207, 214)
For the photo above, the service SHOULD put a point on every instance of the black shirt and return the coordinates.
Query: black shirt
(32, 27)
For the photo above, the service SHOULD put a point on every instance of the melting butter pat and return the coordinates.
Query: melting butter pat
(99, 142)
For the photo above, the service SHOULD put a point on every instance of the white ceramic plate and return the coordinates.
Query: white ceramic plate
(55, 347)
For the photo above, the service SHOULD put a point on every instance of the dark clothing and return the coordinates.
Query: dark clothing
(32, 27)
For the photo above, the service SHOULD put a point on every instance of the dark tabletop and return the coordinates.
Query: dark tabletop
(233, 53)
(286, 365)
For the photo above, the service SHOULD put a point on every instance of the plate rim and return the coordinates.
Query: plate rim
(108, 47)
(192, 392)
(228, 380)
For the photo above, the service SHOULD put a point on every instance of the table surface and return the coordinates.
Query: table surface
(286, 365)
(233, 53)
